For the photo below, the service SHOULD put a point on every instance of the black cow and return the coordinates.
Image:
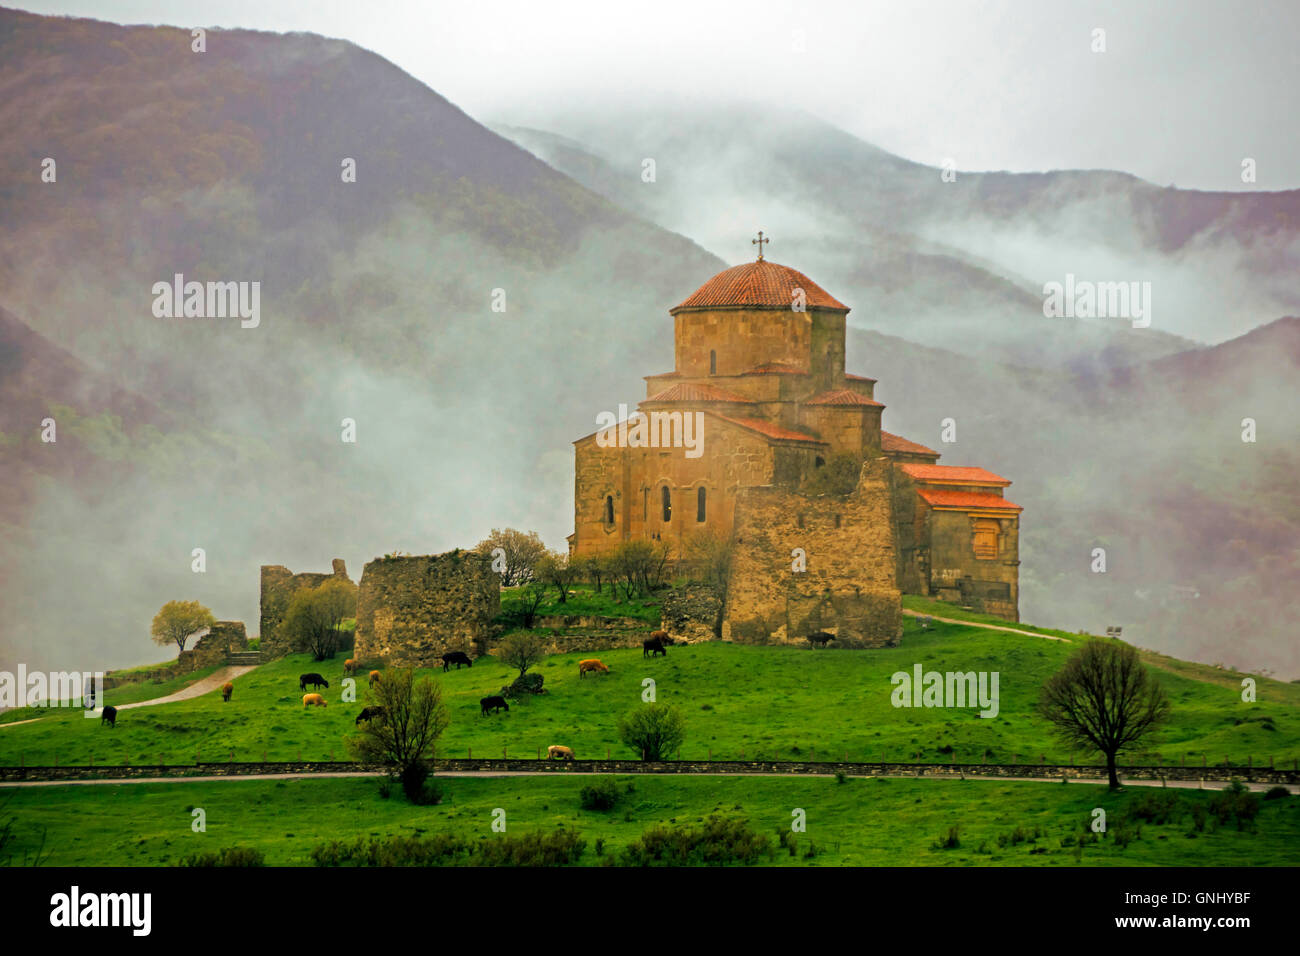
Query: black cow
(652, 646)
(369, 713)
(492, 704)
(109, 717)
(820, 638)
(314, 679)
(457, 658)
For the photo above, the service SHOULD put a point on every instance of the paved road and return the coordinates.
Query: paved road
(197, 689)
(1180, 784)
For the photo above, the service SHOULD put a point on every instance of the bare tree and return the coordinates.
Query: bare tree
(518, 553)
(404, 737)
(521, 650)
(1104, 698)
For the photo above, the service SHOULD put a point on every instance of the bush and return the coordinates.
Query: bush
(446, 849)
(1277, 793)
(1159, 806)
(947, 841)
(653, 731)
(717, 842)
(602, 795)
(1235, 804)
(527, 684)
(230, 856)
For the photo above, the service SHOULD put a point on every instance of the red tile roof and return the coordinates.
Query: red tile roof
(954, 474)
(967, 500)
(843, 396)
(769, 430)
(896, 443)
(761, 285)
(697, 393)
(858, 378)
(776, 368)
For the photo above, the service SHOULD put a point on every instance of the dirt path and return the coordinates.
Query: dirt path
(217, 778)
(197, 689)
(986, 627)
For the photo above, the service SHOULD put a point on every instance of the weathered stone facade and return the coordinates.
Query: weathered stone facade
(760, 366)
(805, 565)
(412, 610)
(279, 585)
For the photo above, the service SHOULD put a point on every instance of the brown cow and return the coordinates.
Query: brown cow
(313, 700)
(350, 666)
(556, 752)
(374, 677)
(592, 665)
(662, 636)
(226, 691)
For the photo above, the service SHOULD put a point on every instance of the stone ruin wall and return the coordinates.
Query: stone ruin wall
(850, 588)
(412, 610)
(279, 585)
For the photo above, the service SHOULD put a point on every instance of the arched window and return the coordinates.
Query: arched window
(668, 504)
(609, 509)
(700, 505)
(819, 462)
(713, 363)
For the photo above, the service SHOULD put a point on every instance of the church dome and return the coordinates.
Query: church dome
(759, 285)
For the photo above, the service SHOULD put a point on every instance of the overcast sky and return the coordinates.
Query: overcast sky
(1184, 91)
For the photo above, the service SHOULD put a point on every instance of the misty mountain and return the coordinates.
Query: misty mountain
(960, 264)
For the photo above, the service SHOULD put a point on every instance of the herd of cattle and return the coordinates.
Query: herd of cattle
(655, 645)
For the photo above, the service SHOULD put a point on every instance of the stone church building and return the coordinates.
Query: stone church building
(759, 399)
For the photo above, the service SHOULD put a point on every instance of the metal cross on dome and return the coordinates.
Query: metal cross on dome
(759, 242)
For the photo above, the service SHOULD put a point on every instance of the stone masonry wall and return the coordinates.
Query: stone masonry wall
(849, 589)
(412, 610)
(222, 638)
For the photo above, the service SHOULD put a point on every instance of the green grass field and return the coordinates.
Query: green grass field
(884, 822)
(739, 701)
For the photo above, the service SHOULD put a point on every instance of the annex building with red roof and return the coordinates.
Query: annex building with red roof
(737, 444)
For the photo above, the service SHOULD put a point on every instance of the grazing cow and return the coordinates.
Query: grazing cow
(374, 678)
(456, 657)
(228, 689)
(662, 637)
(369, 713)
(492, 705)
(653, 646)
(592, 665)
(314, 679)
(350, 666)
(109, 717)
(820, 638)
(556, 752)
(313, 700)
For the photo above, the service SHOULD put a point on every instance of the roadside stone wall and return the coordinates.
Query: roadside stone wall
(222, 638)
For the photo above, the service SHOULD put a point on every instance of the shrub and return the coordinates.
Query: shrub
(526, 684)
(446, 849)
(230, 856)
(653, 730)
(947, 841)
(718, 841)
(601, 795)
(1234, 804)
(1277, 793)
(1159, 806)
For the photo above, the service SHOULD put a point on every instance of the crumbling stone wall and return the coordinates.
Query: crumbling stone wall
(412, 610)
(279, 585)
(222, 638)
(850, 586)
(690, 613)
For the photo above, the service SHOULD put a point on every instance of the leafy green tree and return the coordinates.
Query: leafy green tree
(653, 730)
(1104, 698)
(316, 615)
(177, 620)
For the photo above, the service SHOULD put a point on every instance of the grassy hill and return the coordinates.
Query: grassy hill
(860, 822)
(739, 701)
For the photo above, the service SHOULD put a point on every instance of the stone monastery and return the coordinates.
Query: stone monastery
(727, 443)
